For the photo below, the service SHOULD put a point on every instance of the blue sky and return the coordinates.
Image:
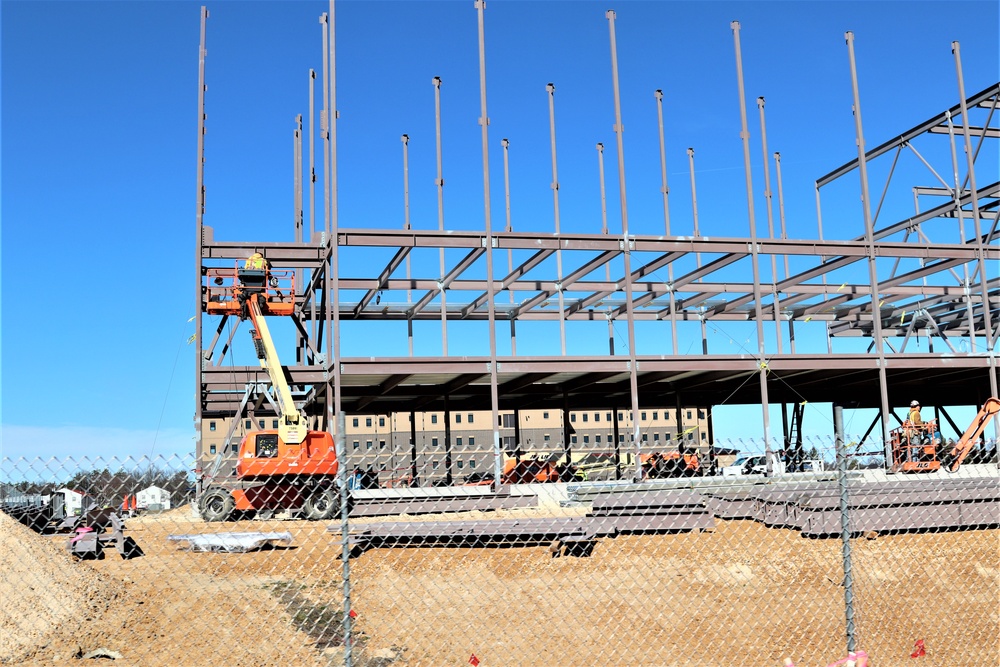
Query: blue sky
(99, 146)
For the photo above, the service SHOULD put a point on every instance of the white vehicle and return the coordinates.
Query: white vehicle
(756, 464)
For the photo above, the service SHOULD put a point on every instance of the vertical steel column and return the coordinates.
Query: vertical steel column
(517, 434)
(665, 191)
(604, 230)
(484, 122)
(300, 343)
(819, 227)
(324, 126)
(770, 223)
(870, 238)
(970, 161)
(510, 253)
(413, 449)
(199, 359)
(781, 204)
(845, 524)
(697, 256)
(957, 195)
(567, 450)
(618, 450)
(680, 424)
(551, 89)
(312, 158)
(406, 225)
(334, 246)
(626, 249)
(745, 135)
(447, 441)
(439, 182)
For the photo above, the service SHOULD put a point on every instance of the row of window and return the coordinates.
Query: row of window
(249, 424)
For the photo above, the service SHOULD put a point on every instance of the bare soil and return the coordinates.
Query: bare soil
(743, 594)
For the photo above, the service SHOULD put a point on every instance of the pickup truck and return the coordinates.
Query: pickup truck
(755, 464)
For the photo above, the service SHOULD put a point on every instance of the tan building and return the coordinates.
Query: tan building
(460, 443)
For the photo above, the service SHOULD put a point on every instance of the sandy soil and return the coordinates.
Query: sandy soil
(741, 595)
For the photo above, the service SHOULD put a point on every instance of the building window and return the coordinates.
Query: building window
(701, 414)
(545, 415)
(689, 414)
(211, 426)
(472, 441)
(620, 416)
(434, 465)
(211, 449)
(655, 416)
(381, 444)
(621, 437)
(355, 420)
(691, 436)
(248, 424)
(607, 417)
(643, 416)
(460, 464)
(597, 439)
(656, 437)
(585, 416)
(381, 421)
(274, 423)
(472, 463)
(645, 437)
(572, 439)
(357, 445)
(458, 442)
(704, 436)
(547, 437)
(434, 442)
(260, 422)
(470, 418)
(586, 439)
(368, 422)
(368, 444)
(458, 418)
(434, 419)
(572, 417)
(597, 416)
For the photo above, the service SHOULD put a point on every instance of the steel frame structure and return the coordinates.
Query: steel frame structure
(954, 294)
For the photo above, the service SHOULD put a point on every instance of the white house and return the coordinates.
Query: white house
(153, 497)
(74, 500)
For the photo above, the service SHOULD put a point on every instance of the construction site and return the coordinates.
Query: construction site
(550, 489)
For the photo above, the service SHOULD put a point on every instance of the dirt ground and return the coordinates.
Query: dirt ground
(743, 594)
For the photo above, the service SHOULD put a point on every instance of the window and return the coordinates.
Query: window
(434, 419)
(458, 418)
(472, 441)
(704, 436)
(434, 442)
(643, 416)
(368, 422)
(260, 423)
(368, 444)
(357, 445)
(586, 439)
(620, 416)
(645, 437)
(585, 415)
(691, 435)
(434, 465)
(621, 437)
(689, 415)
(460, 464)
(274, 423)
(572, 439)
(701, 414)
(381, 421)
(470, 419)
(545, 415)
(597, 416)
(249, 424)
(547, 438)
(211, 426)
(656, 416)
(472, 463)
(597, 439)
(211, 449)
(572, 417)
(381, 444)
(458, 442)
(656, 437)
(355, 422)
(607, 417)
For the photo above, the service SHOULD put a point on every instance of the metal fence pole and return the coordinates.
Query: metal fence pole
(845, 524)
(345, 547)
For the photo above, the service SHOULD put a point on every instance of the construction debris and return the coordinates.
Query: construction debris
(231, 542)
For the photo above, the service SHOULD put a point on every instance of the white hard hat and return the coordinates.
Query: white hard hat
(914, 404)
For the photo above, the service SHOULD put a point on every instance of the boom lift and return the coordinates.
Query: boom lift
(953, 459)
(288, 468)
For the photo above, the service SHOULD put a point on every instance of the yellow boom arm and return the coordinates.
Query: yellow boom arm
(292, 426)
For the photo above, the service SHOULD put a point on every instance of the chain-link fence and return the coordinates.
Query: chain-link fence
(113, 558)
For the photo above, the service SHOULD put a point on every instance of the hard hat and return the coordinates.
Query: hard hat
(914, 404)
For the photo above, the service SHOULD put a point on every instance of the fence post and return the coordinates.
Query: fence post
(845, 524)
(345, 546)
